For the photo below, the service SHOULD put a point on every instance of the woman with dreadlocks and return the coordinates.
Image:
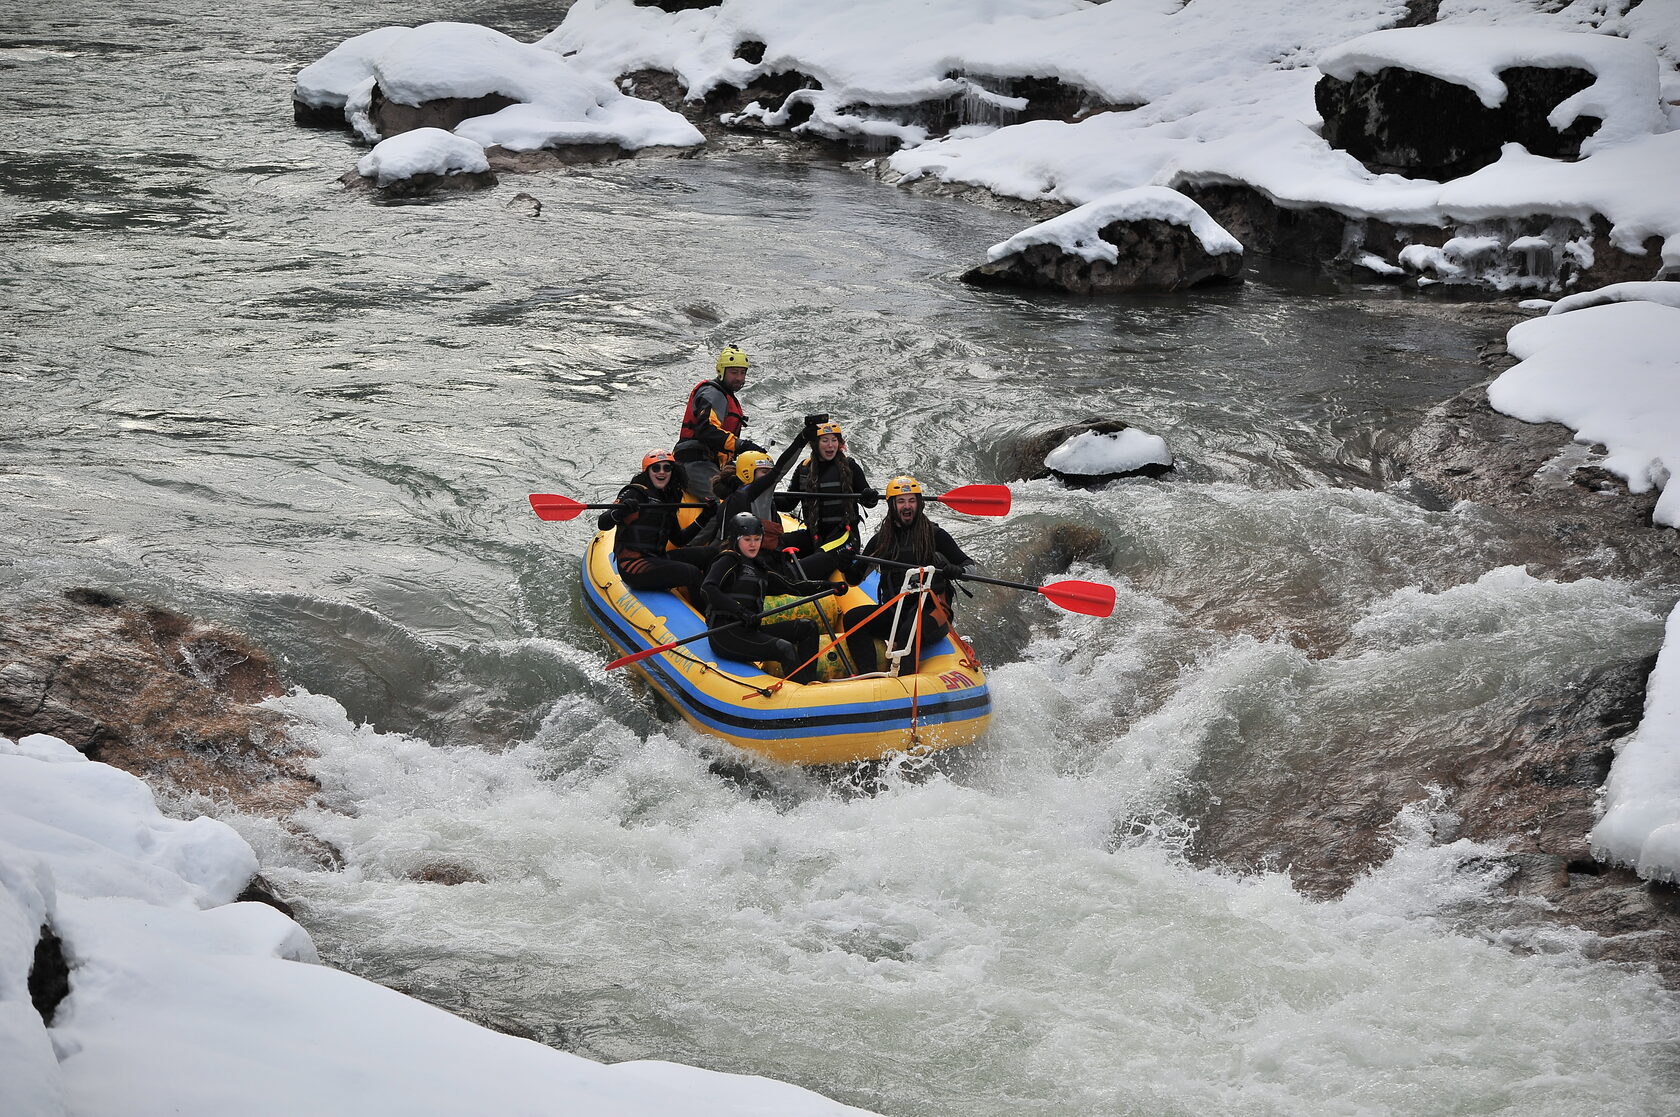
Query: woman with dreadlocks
(907, 536)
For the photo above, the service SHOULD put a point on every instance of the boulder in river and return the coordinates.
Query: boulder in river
(424, 161)
(1090, 452)
(155, 693)
(1145, 239)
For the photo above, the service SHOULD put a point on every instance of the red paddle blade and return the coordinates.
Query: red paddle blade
(633, 657)
(1091, 598)
(549, 506)
(978, 500)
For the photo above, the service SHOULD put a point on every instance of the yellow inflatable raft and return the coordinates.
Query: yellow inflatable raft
(943, 704)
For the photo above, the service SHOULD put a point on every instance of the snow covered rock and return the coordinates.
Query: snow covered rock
(1091, 452)
(1442, 101)
(1148, 238)
(1092, 456)
(425, 160)
(484, 85)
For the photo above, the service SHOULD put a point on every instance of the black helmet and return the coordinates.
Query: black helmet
(745, 523)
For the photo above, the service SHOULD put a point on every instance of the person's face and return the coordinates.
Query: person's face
(734, 378)
(904, 507)
(660, 473)
(828, 446)
(761, 471)
(749, 545)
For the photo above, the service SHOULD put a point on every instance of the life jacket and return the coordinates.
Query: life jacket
(747, 584)
(731, 421)
(647, 530)
(826, 516)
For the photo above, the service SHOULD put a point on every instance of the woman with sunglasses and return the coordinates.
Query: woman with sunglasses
(645, 514)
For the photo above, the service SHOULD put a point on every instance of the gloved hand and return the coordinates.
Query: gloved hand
(744, 444)
(712, 504)
(945, 566)
(870, 498)
(626, 506)
(810, 428)
(840, 589)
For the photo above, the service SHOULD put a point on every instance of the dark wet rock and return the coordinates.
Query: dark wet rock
(49, 975)
(1154, 256)
(259, 891)
(423, 185)
(393, 118)
(1319, 237)
(1024, 458)
(448, 873)
(1465, 450)
(305, 115)
(154, 693)
(1391, 120)
(750, 51)
(1526, 782)
(525, 204)
(677, 5)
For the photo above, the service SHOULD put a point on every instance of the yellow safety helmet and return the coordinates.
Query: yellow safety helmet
(901, 485)
(830, 427)
(731, 357)
(746, 463)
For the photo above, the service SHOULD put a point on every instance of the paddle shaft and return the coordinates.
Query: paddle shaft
(646, 652)
(968, 577)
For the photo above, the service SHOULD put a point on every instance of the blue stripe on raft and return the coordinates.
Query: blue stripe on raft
(939, 707)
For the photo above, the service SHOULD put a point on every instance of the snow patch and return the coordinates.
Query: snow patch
(422, 151)
(1641, 823)
(1612, 373)
(181, 1000)
(1095, 455)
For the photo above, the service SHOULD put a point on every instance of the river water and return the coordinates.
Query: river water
(233, 387)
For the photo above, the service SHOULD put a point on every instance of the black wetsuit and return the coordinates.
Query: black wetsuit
(860, 645)
(643, 532)
(735, 587)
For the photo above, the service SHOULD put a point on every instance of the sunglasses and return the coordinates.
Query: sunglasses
(660, 467)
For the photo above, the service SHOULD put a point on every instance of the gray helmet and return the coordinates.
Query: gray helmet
(745, 523)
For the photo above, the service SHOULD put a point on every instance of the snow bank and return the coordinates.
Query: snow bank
(559, 104)
(1226, 89)
(1663, 293)
(1641, 824)
(1626, 94)
(1612, 373)
(422, 151)
(1096, 455)
(1076, 232)
(183, 1003)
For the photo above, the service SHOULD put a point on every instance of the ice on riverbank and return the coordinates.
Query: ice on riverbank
(1641, 823)
(182, 1002)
